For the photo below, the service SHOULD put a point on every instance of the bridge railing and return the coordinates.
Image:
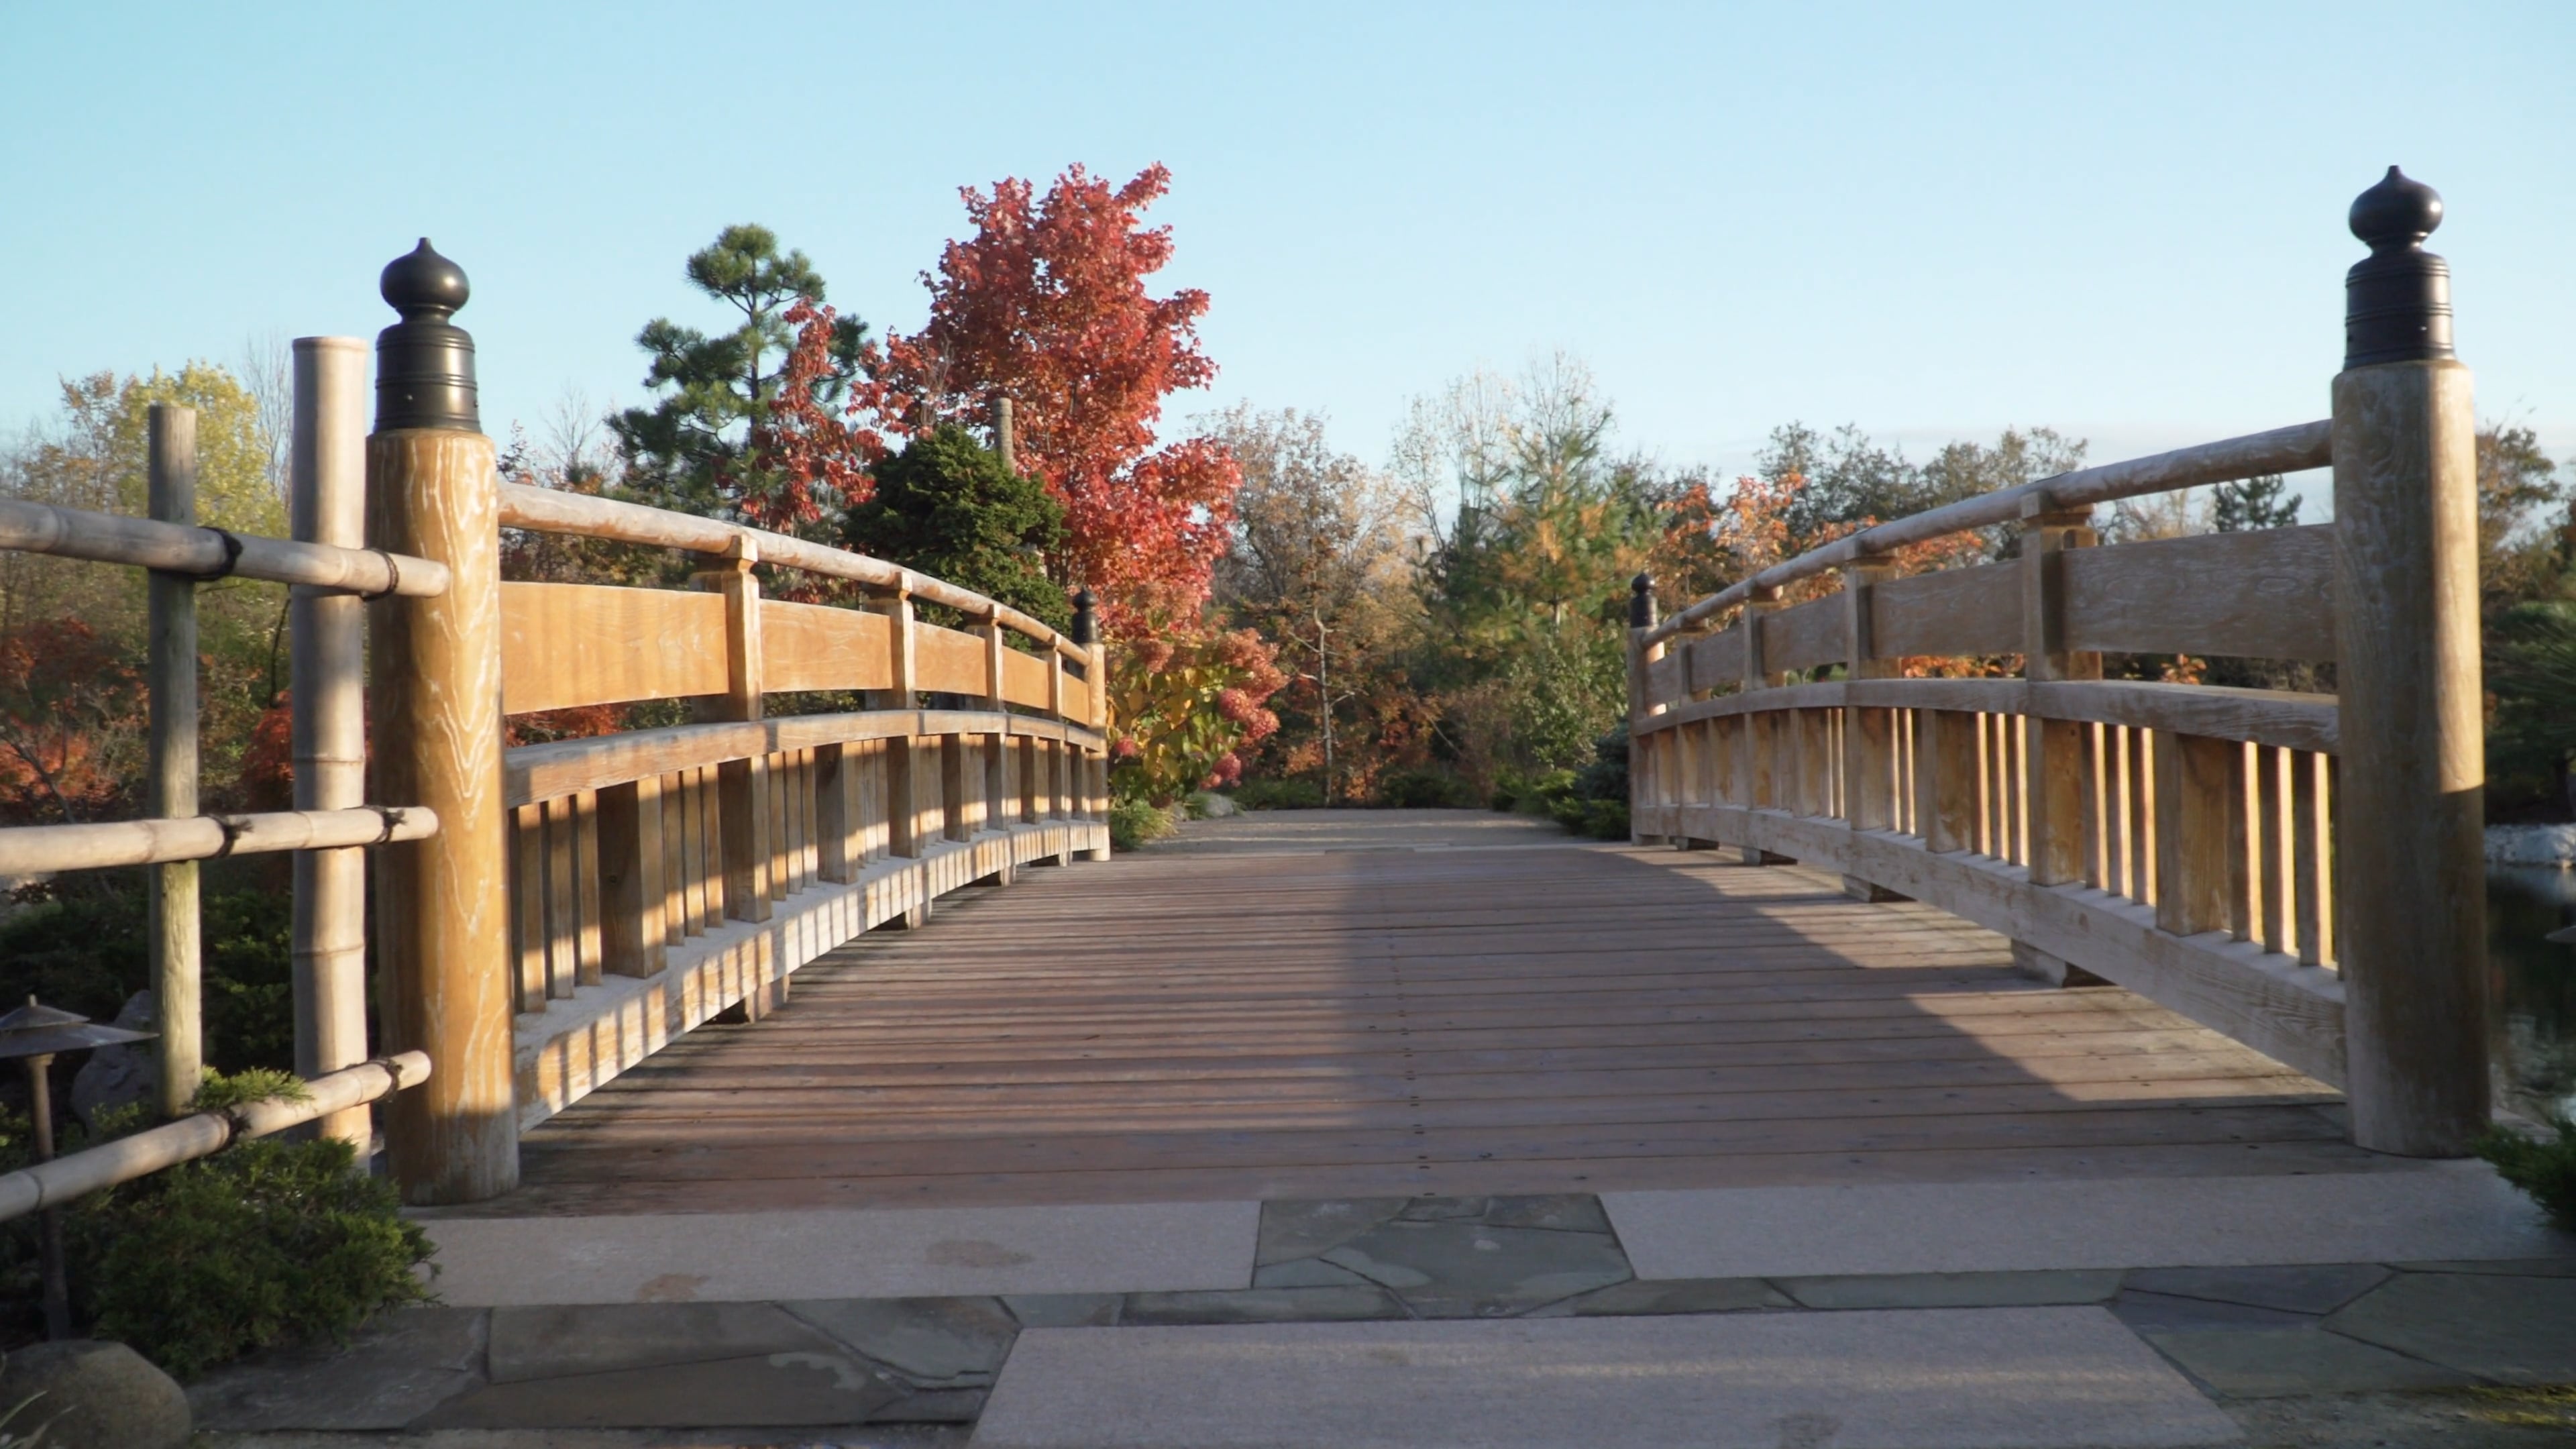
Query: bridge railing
(2299, 871)
(659, 877)
(588, 900)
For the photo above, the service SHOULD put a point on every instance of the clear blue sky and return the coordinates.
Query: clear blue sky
(1932, 220)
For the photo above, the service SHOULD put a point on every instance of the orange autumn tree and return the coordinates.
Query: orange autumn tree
(1047, 305)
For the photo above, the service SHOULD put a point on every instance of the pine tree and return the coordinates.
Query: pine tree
(2254, 503)
(949, 507)
(695, 449)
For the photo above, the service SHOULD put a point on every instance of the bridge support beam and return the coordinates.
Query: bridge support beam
(2409, 869)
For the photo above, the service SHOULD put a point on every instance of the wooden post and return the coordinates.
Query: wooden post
(327, 503)
(1869, 759)
(1642, 795)
(743, 808)
(171, 483)
(1093, 770)
(2408, 868)
(442, 904)
(631, 890)
(2053, 767)
(2195, 827)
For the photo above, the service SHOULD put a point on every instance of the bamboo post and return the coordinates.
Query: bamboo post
(171, 497)
(327, 503)
(2408, 867)
(442, 904)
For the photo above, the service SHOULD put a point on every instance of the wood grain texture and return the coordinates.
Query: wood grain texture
(1956, 611)
(947, 660)
(443, 904)
(814, 646)
(2409, 863)
(2264, 594)
(1575, 1019)
(1805, 635)
(564, 645)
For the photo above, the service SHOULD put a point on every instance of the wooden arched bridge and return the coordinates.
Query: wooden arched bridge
(2049, 925)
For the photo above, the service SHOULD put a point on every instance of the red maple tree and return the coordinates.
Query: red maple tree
(813, 448)
(1046, 305)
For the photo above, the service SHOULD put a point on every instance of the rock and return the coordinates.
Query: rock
(2531, 845)
(116, 1075)
(94, 1395)
(1215, 806)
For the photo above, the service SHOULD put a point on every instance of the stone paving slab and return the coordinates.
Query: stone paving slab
(892, 1253)
(1925, 1379)
(2511, 1330)
(399, 1367)
(2445, 1210)
(778, 1388)
(2267, 1363)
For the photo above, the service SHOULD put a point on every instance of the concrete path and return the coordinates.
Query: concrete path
(1996, 1378)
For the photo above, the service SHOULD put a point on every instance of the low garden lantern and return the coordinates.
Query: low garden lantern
(36, 1033)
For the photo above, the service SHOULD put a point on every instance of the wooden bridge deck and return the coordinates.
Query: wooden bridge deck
(1325, 1023)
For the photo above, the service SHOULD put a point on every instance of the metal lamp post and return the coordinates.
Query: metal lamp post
(36, 1034)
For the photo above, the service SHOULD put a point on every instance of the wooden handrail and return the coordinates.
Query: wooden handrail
(51, 1184)
(2282, 450)
(207, 553)
(549, 510)
(116, 843)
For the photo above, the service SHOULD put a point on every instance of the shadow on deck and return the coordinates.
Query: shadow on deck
(1346, 1004)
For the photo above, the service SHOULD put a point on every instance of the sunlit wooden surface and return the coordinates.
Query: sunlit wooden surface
(1355, 1021)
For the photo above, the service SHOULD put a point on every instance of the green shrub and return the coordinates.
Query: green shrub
(1133, 823)
(1289, 794)
(263, 1243)
(1529, 791)
(84, 951)
(2545, 1167)
(1425, 790)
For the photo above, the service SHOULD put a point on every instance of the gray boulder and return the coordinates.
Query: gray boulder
(116, 1075)
(91, 1395)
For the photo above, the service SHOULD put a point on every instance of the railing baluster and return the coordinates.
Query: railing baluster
(563, 912)
(586, 897)
(632, 897)
(528, 903)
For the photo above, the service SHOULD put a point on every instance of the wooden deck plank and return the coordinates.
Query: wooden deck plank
(1365, 1022)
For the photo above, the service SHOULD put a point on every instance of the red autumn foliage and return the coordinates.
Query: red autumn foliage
(68, 698)
(816, 450)
(267, 780)
(1046, 305)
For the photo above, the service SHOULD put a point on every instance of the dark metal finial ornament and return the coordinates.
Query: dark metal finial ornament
(1641, 602)
(425, 363)
(1086, 624)
(2397, 300)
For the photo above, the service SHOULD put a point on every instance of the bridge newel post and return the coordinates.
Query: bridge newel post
(442, 904)
(1094, 769)
(2409, 868)
(1643, 794)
